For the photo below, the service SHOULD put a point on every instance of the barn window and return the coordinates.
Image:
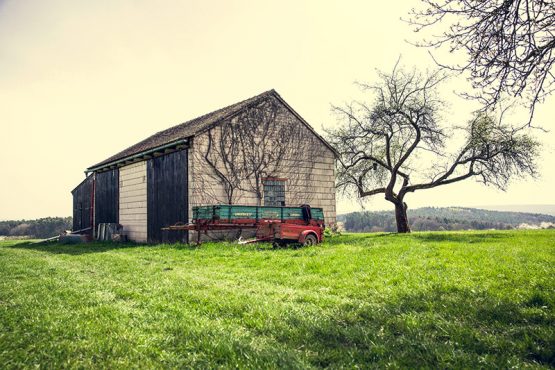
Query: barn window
(274, 192)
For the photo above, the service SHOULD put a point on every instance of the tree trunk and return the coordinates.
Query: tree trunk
(401, 217)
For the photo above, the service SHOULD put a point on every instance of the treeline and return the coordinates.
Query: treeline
(438, 219)
(40, 228)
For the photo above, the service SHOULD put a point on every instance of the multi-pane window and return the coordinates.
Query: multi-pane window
(274, 192)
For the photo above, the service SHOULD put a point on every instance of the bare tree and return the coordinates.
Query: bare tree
(261, 142)
(382, 145)
(509, 45)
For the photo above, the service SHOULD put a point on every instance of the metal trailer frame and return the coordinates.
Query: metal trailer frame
(288, 230)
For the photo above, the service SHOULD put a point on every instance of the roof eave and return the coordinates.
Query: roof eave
(81, 183)
(277, 96)
(138, 156)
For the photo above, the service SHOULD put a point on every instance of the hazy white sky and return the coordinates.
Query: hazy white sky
(81, 80)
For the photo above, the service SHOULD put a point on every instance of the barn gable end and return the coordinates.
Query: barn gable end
(317, 167)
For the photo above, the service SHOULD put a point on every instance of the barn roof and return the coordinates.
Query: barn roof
(192, 128)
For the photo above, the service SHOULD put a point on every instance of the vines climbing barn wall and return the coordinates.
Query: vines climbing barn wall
(306, 165)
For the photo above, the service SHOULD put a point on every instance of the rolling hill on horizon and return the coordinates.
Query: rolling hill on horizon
(446, 218)
(546, 209)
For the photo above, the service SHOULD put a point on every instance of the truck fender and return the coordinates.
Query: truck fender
(305, 233)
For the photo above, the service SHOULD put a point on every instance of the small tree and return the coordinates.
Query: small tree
(383, 144)
(509, 44)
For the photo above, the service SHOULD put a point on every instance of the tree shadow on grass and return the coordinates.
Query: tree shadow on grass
(443, 327)
(101, 247)
(74, 249)
(434, 236)
(460, 237)
(438, 328)
(354, 238)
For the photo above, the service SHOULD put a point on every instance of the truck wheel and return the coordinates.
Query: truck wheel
(310, 239)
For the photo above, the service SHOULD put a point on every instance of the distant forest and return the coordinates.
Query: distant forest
(420, 219)
(449, 218)
(40, 228)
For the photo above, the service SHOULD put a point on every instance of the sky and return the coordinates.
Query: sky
(81, 80)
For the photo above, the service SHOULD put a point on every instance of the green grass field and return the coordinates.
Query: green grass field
(466, 299)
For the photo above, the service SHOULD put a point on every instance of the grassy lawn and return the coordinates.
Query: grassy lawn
(453, 299)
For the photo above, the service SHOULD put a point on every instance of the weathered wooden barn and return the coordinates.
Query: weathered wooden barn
(258, 151)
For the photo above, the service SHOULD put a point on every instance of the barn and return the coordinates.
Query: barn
(255, 152)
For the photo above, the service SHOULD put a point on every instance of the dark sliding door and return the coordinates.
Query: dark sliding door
(167, 197)
(106, 200)
(82, 204)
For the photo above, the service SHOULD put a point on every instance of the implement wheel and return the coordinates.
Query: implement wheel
(309, 240)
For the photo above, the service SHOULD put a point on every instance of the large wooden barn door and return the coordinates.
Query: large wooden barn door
(167, 197)
(106, 197)
(82, 204)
